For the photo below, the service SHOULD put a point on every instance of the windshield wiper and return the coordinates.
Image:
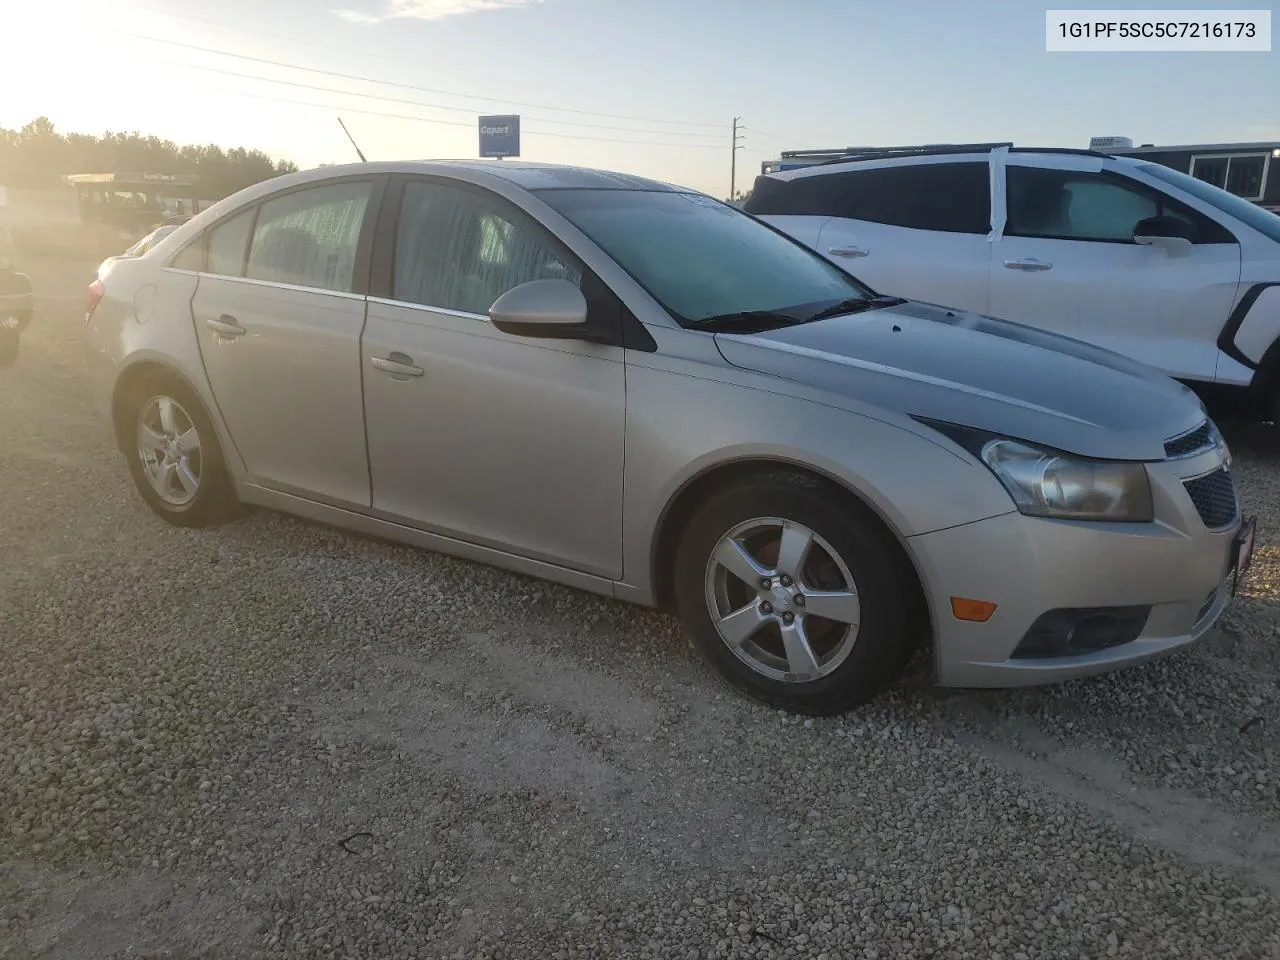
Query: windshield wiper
(854, 305)
(745, 321)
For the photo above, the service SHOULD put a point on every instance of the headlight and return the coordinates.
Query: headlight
(1045, 484)
(1049, 483)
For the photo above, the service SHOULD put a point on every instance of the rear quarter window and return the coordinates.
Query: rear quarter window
(803, 196)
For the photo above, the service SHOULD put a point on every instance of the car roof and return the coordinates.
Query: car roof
(545, 176)
(527, 175)
(503, 176)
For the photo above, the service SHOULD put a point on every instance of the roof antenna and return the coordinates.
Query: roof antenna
(353, 141)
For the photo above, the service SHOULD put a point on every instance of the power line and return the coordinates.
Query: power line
(420, 103)
(410, 86)
(453, 123)
(771, 136)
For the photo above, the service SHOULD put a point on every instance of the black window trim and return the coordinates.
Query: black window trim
(623, 329)
(1136, 186)
(361, 270)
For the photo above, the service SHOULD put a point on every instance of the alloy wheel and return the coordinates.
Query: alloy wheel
(169, 450)
(782, 599)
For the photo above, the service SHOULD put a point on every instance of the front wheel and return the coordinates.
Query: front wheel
(796, 595)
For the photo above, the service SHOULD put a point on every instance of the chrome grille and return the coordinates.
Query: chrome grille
(1189, 443)
(1214, 496)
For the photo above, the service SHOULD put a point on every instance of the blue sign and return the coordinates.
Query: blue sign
(500, 136)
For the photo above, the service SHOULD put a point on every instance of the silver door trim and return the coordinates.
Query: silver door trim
(427, 308)
(275, 285)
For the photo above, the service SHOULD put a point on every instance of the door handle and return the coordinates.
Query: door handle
(225, 326)
(397, 365)
(1029, 265)
(847, 252)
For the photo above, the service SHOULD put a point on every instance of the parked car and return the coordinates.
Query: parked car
(16, 305)
(1122, 252)
(637, 390)
(155, 236)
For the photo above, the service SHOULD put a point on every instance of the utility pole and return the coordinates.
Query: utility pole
(733, 160)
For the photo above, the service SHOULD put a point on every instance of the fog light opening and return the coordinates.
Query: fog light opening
(1080, 631)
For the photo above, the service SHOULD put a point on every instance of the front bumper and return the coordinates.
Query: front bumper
(1029, 566)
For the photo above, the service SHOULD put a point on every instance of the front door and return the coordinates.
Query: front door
(1067, 262)
(279, 321)
(496, 439)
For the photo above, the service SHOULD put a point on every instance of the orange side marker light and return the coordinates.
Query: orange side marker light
(975, 611)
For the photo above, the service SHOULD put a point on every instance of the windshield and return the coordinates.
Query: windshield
(700, 258)
(1264, 221)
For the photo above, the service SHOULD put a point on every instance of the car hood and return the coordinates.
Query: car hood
(995, 375)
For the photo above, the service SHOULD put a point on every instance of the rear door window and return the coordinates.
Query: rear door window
(943, 197)
(309, 238)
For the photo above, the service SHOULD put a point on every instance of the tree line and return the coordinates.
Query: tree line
(38, 156)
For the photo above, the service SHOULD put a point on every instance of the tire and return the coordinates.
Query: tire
(180, 474)
(852, 566)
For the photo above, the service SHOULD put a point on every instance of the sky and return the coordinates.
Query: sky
(643, 86)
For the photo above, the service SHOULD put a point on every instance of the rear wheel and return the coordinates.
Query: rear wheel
(796, 595)
(173, 453)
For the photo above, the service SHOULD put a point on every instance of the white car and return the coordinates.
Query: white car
(1126, 254)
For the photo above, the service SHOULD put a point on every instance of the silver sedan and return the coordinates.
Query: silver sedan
(636, 389)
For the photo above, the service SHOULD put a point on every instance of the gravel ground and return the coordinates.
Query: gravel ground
(276, 740)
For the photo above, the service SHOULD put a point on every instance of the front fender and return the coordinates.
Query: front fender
(679, 428)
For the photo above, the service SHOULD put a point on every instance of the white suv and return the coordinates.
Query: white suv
(1127, 254)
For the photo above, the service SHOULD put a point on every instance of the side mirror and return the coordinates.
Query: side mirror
(542, 308)
(1173, 234)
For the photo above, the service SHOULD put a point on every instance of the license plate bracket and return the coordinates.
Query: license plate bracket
(1242, 552)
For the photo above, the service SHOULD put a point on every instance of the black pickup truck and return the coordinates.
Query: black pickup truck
(15, 302)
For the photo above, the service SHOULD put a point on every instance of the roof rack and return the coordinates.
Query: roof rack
(852, 154)
(1074, 151)
(920, 150)
(917, 148)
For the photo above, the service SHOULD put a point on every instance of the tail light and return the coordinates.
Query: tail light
(92, 297)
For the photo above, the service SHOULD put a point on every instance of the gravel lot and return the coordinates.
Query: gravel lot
(276, 740)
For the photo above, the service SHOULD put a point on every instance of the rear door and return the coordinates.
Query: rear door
(917, 229)
(278, 311)
(1066, 261)
(509, 442)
